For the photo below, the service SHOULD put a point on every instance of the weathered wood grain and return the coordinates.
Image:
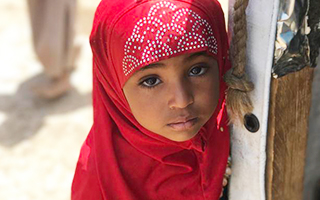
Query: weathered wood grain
(290, 101)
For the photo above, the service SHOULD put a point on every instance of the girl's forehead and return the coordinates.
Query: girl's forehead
(182, 59)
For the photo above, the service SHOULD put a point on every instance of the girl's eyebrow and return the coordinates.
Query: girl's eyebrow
(187, 59)
(152, 66)
(195, 55)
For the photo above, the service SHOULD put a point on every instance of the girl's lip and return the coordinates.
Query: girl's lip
(182, 126)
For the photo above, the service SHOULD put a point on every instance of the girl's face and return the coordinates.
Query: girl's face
(175, 97)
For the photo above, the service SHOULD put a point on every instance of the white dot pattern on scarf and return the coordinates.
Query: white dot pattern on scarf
(161, 34)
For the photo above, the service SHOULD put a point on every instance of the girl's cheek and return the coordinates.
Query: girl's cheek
(209, 92)
(150, 98)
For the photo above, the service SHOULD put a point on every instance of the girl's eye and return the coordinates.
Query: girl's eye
(150, 82)
(197, 71)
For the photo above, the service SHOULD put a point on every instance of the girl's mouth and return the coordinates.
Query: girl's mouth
(183, 126)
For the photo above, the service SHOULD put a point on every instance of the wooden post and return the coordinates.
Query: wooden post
(290, 101)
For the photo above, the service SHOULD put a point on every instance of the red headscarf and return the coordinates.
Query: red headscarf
(120, 159)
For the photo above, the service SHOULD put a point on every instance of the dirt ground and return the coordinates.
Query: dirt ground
(40, 140)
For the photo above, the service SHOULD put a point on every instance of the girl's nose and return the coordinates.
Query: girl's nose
(180, 95)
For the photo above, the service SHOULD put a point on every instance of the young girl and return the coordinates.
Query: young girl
(160, 123)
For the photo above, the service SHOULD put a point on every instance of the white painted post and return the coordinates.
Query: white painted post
(249, 149)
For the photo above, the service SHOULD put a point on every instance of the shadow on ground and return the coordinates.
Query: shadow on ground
(25, 113)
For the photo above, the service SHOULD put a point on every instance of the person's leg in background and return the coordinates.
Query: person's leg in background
(53, 33)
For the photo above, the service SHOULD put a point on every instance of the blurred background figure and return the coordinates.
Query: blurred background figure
(53, 35)
(40, 140)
